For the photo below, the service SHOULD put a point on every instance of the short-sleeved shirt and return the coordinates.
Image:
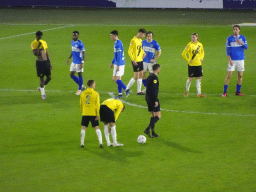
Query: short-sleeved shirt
(152, 87)
(77, 49)
(150, 49)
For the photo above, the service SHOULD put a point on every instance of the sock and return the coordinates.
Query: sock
(225, 88)
(144, 81)
(238, 87)
(42, 91)
(75, 78)
(198, 86)
(122, 85)
(106, 134)
(139, 83)
(113, 133)
(119, 87)
(188, 83)
(151, 124)
(82, 136)
(98, 132)
(153, 121)
(132, 80)
(81, 81)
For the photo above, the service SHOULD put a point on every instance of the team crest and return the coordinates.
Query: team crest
(151, 45)
(155, 81)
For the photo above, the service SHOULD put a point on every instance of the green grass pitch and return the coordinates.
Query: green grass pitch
(206, 144)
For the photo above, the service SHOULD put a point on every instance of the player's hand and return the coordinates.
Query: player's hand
(117, 68)
(201, 60)
(239, 41)
(156, 104)
(134, 63)
(50, 66)
(81, 66)
(152, 61)
(230, 62)
(191, 61)
(96, 118)
(111, 66)
(67, 62)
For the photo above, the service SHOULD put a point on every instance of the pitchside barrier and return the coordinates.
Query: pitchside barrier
(193, 4)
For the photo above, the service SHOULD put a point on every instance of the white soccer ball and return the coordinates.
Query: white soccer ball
(142, 139)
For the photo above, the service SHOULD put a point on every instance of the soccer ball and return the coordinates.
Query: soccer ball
(142, 139)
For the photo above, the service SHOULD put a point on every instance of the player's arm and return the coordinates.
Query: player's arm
(245, 46)
(184, 54)
(81, 103)
(132, 52)
(118, 111)
(83, 57)
(228, 50)
(97, 106)
(48, 58)
(69, 58)
(156, 57)
(202, 53)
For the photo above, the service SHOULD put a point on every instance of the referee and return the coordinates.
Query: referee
(152, 100)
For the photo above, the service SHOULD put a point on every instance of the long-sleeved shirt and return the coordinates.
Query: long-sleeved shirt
(195, 51)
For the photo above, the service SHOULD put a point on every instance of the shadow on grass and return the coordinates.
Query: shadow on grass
(179, 147)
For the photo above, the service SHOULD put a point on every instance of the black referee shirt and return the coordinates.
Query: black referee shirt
(152, 87)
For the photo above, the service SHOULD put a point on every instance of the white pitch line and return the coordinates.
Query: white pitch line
(178, 111)
(35, 32)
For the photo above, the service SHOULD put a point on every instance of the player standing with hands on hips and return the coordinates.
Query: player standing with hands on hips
(194, 55)
(235, 46)
(153, 101)
(78, 54)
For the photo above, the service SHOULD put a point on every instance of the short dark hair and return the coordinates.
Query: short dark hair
(76, 32)
(90, 82)
(114, 32)
(142, 30)
(236, 26)
(39, 33)
(150, 32)
(155, 67)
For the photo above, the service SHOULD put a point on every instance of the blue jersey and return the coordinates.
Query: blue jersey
(118, 53)
(150, 49)
(236, 50)
(77, 49)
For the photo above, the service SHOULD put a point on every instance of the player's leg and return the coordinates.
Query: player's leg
(106, 132)
(133, 79)
(83, 129)
(114, 135)
(188, 83)
(198, 87)
(139, 80)
(81, 81)
(72, 73)
(227, 80)
(42, 89)
(239, 83)
(95, 124)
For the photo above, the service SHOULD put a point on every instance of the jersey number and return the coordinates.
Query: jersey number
(88, 99)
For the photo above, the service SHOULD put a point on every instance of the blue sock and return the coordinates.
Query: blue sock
(122, 85)
(238, 87)
(81, 81)
(144, 81)
(75, 78)
(225, 88)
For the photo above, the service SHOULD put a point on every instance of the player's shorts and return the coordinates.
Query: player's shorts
(87, 119)
(195, 71)
(76, 67)
(238, 64)
(151, 105)
(148, 67)
(138, 67)
(43, 68)
(120, 72)
(106, 114)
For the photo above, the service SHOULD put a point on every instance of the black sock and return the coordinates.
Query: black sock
(155, 119)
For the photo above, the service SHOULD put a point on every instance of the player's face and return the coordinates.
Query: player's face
(112, 37)
(194, 38)
(236, 30)
(93, 85)
(75, 36)
(158, 70)
(149, 37)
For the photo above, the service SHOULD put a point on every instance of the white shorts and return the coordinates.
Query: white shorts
(76, 67)
(147, 67)
(238, 64)
(120, 72)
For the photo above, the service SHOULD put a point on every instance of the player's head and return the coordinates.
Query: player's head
(75, 35)
(156, 68)
(236, 29)
(39, 34)
(194, 37)
(114, 35)
(150, 35)
(91, 83)
(142, 33)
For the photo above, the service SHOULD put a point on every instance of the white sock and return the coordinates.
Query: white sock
(198, 86)
(188, 83)
(113, 133)
(106, 134)
(139, 83)
(82, 136)
(98, 132)
(132, 80)
(42, 91)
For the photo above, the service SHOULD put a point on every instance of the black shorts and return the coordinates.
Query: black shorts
(43, 68)
(195, 71)
(138, 67)
(87, 119)
(106, 114)
(151, 105)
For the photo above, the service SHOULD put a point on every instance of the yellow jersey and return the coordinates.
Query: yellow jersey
(195, 51)
(135, 50)
(115, 105)
(90, 102)
(35, 43)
